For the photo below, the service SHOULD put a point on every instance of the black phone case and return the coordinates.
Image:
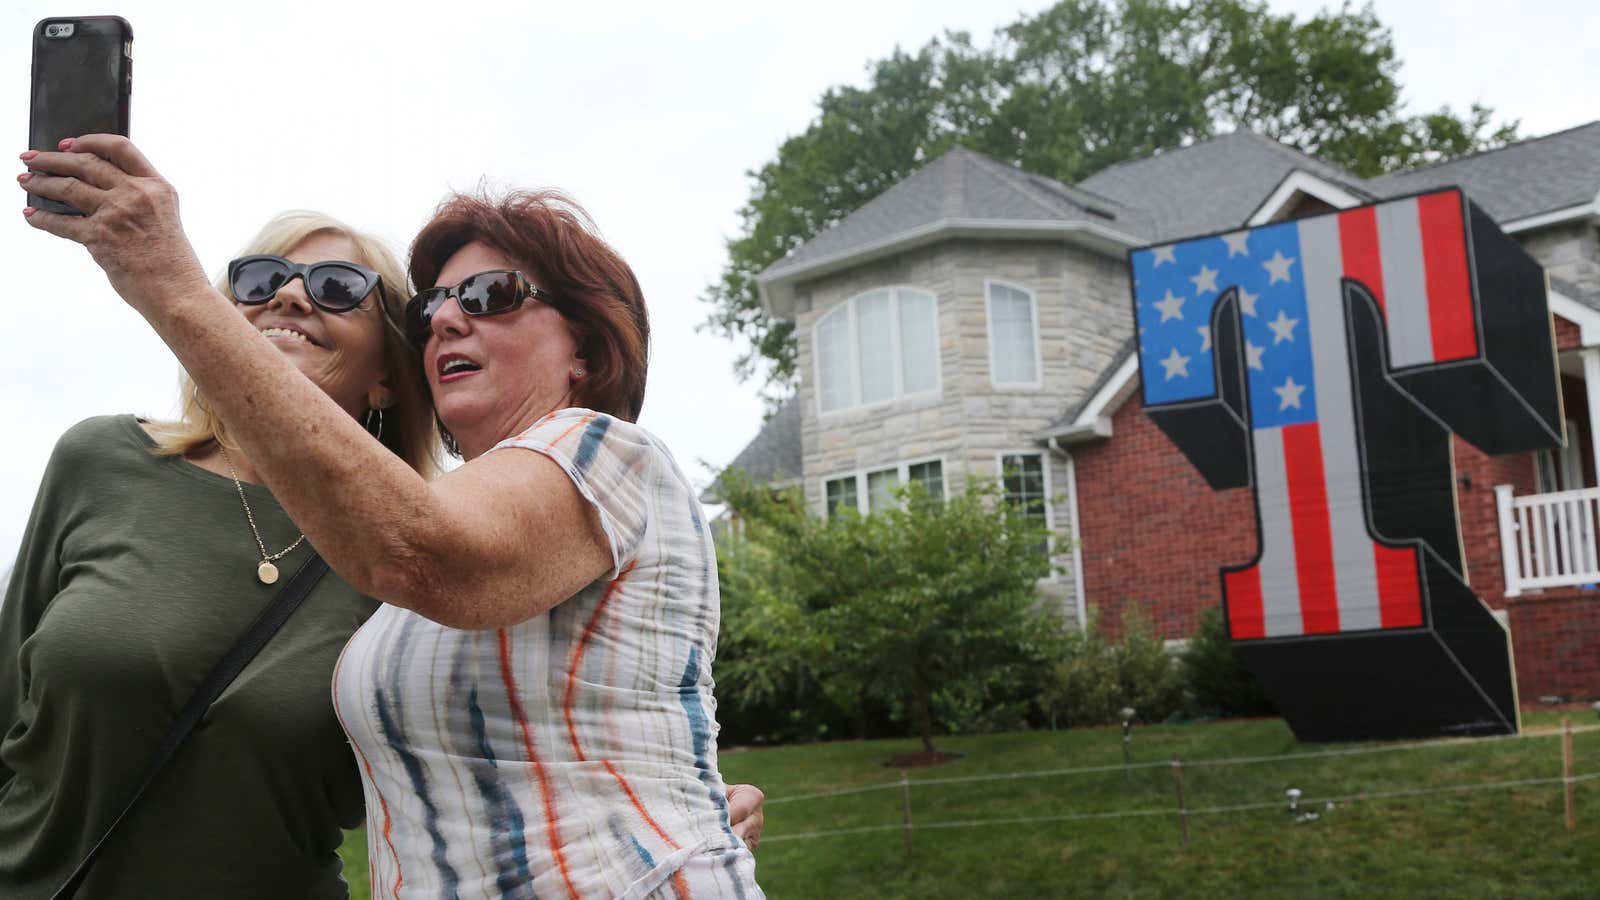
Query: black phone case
(100, 66)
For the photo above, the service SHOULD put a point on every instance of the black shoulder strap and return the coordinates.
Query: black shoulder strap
(294, 591)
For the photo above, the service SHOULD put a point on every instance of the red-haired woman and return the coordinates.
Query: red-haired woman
(532, 710)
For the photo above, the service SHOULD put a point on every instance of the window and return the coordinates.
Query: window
(842, 492)
(930, 474)
(1023, 474)
(880, 489)
(868, 492)
(877, 347)
(1013, 338)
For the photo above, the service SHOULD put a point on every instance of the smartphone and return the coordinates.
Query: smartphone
(82, 82)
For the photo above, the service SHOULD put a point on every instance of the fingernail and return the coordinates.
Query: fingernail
(28, 154)
(24, 177)
(66, 143)
(28, 211)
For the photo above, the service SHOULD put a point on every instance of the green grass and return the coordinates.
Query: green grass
(1500, 843)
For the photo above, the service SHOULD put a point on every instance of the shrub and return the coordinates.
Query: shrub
(1093, 678)
(1218, 682)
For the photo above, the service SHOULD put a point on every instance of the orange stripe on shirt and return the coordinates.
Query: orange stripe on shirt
(515, 699)
(566, 705)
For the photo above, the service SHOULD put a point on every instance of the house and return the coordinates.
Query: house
(975, 320)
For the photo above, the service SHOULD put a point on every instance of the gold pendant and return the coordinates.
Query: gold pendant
(267, 572)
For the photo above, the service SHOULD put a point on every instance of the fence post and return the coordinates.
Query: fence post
(1183, 811)
(1566, 771)
(905, 790)
(1509, 563)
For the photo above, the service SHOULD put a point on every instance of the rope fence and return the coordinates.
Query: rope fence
(1198, 763)
(1568, 780)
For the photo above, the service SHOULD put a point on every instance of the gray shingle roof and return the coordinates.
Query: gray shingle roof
(1539, 175)
(773, 455)
(1212, 185)
(960, 185)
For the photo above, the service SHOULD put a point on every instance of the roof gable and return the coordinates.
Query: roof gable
(1214, 184)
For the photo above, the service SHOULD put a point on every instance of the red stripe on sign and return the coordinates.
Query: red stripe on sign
(1246, 612)
(1444, 258)
(1399, 593)
(1313, 535)
(1358, 241)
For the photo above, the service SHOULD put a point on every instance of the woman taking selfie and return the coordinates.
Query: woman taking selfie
(532, 710)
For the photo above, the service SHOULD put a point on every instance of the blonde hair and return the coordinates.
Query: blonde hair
(408, 427)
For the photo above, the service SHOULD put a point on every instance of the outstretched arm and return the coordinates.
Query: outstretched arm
(442, 548)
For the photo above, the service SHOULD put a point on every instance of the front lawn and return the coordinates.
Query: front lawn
(1469, 843)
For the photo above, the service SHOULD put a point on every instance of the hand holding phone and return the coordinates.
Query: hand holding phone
(82, 83)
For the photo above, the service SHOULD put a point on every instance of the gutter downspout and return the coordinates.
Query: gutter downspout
(1077, 542)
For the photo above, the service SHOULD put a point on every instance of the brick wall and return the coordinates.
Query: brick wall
(1153, 533)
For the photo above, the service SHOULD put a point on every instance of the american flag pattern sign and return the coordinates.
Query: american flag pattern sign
(1248, 359)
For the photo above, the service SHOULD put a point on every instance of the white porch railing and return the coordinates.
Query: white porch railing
(1548, 540)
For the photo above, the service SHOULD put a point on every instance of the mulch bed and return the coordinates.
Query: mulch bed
(921, 759)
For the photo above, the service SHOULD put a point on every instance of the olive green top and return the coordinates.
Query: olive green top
(136, 574)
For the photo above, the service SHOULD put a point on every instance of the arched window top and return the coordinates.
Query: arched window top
(877, 347)
(1013, 313)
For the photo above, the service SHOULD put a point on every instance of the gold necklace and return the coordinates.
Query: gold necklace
(267, 572)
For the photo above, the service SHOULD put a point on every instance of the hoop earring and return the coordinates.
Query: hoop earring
(375, 432)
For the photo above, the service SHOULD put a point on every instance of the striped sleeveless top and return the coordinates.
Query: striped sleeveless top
(574, 754)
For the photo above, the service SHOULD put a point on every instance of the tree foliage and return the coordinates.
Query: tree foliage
(928, 609)
(1084, 84)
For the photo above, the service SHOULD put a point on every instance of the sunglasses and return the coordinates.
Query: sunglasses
(484, 294)
(335, 286)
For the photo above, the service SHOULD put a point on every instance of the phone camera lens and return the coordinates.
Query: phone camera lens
(51, 30)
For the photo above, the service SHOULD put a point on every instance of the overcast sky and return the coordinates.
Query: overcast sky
(649, 114)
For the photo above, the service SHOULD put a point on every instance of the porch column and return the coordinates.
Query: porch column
(1591, 388)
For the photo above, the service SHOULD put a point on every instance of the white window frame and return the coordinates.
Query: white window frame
(902, 474)
(847, 308)
(988, 324)
(1049, 489)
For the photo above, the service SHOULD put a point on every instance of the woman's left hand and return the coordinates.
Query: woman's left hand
(130, 218)
(744, 813)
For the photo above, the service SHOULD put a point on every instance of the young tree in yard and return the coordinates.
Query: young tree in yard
(897, 606)
(1084, 84)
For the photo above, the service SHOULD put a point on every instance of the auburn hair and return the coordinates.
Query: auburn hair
(554, 242)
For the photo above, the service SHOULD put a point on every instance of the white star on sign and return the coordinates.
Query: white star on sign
(1205, 338)
(1252, 356)
(1289, 394)
(1278, 267)
(1247, 302)
(1171, 306)
(1176, 364)
(1205, 281)
(1282, 328)
(1164, 255)
(1238, 243)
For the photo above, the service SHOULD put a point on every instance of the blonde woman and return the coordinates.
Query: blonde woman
(142, 563)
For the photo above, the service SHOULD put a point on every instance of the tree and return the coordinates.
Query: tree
(1065, 93)
(926, 600)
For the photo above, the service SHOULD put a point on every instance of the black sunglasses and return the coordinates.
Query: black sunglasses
(484, 294)
(336, 286)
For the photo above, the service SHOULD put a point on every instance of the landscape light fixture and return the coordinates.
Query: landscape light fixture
(1294, 800)
(1127, 713)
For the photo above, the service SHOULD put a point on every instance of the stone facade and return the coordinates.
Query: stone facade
(1569, 252)
(1084, 316)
